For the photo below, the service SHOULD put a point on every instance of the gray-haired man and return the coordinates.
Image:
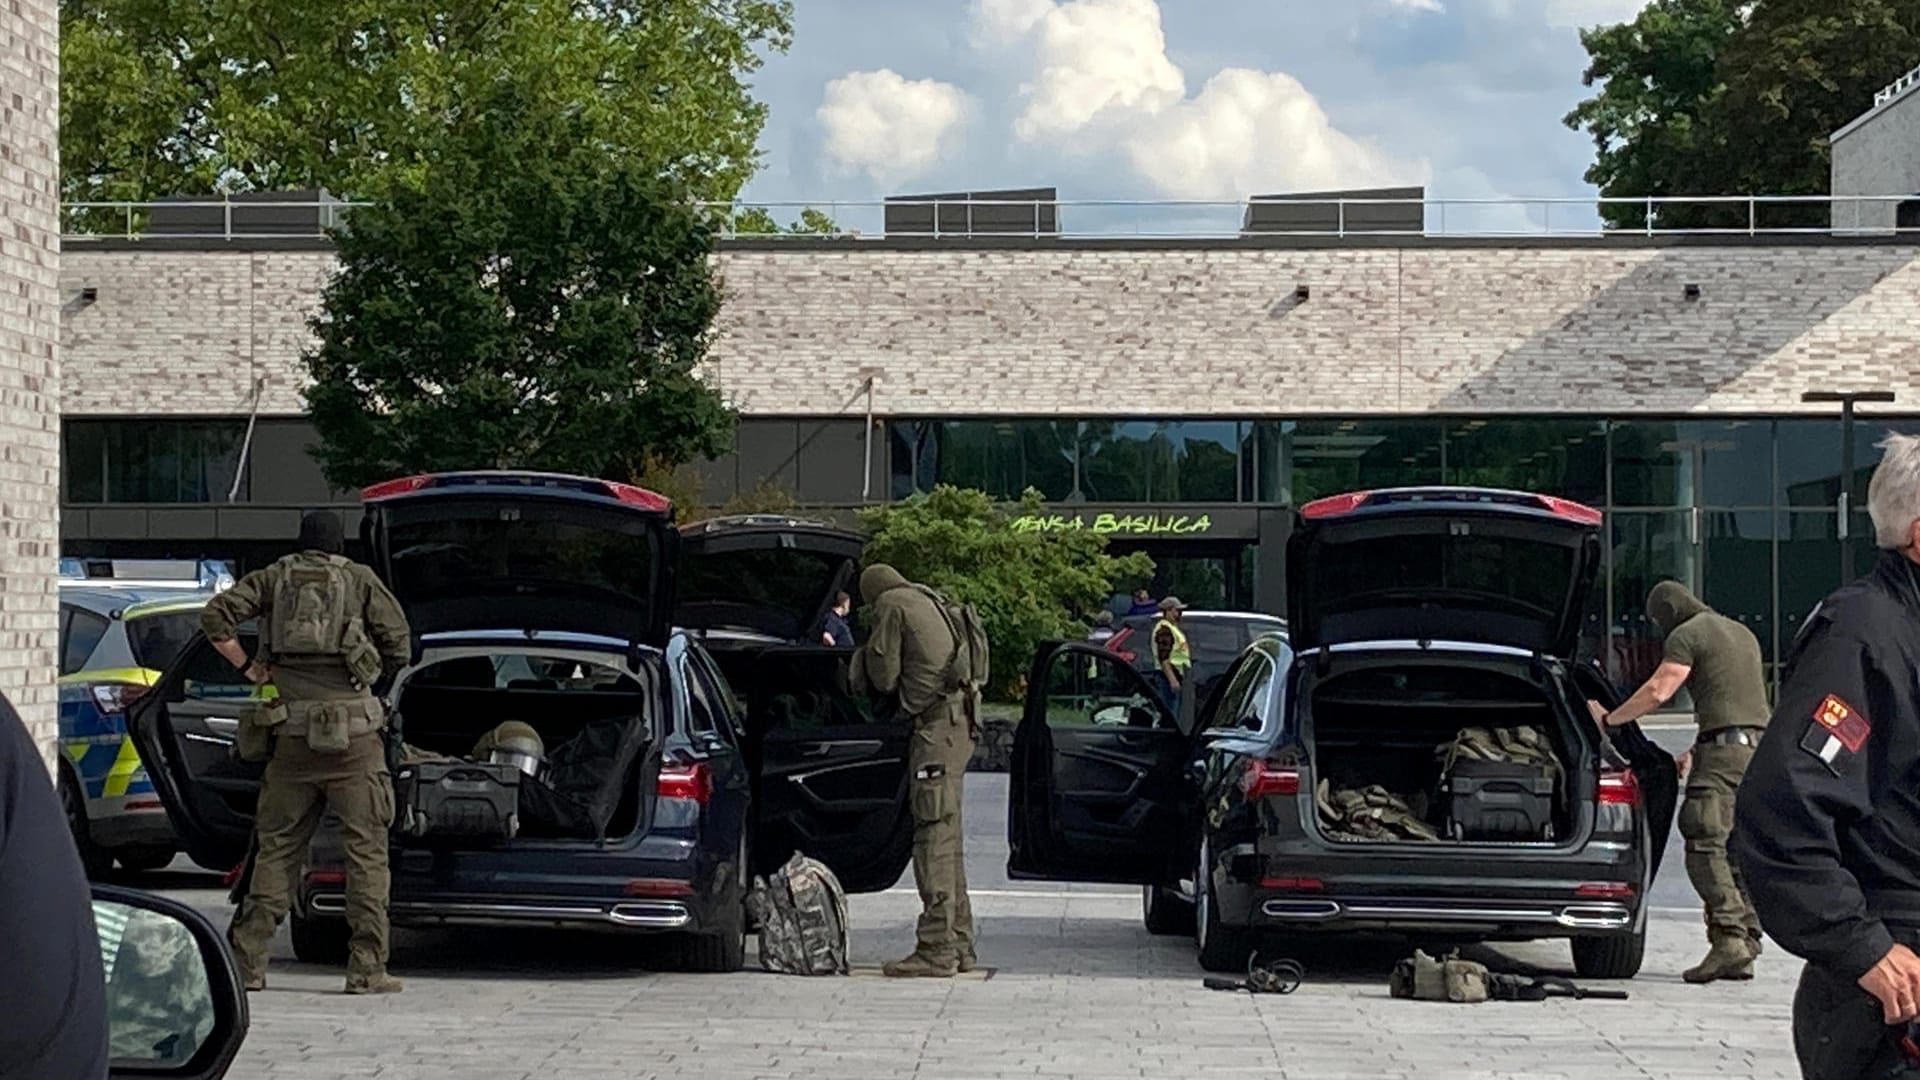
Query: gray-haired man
(1827, 822)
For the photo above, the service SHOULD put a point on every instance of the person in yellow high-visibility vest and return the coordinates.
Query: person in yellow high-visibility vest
(1173, 658)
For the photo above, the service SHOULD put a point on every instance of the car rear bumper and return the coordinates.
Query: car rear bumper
(1487, 915)
(634, 914)
(1516, 895)
(129, 821)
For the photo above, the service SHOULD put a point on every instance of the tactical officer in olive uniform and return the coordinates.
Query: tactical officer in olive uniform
(329, 632)
(1828, 820)
(1718, 660)
(907, 655)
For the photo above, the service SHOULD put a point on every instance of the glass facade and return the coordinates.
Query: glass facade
(151, 461)
(1742, 509)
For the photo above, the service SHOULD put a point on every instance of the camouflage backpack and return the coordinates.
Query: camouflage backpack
(970, 666)
(802, 912)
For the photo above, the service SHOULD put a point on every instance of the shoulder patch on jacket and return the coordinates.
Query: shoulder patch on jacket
(1836, 727)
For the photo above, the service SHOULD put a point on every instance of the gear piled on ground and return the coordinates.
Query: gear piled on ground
(1370, 813)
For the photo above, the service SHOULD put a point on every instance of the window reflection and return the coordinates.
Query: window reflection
(1327, 457)
(1567, 458)
(152, 461)
(1159, 461)
(1693, 463)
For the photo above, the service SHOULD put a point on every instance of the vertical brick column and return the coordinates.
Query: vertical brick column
(29, 365)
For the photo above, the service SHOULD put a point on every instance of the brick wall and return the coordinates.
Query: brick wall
(1085, 329)
(29, 365)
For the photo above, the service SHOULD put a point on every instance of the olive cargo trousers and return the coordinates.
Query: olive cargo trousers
(1706, 821)
(937, 759)
(301, 785)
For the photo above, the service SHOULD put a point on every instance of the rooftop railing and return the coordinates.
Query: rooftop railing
(265, 218)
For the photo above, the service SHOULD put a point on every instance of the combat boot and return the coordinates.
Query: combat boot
(1755, 944)
(382, 983)
(967, 961)
(1731, 957)
(921, 966)
(251, 983)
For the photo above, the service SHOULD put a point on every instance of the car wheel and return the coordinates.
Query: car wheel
(320, 941)
(1223, 949)
(1166, 913)
(1616, 956)
(144, 860)
(95, 860)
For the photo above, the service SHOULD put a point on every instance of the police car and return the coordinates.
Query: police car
(121, 623)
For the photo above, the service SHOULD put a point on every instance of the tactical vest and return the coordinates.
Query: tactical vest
(1182, 655)
(315, 614)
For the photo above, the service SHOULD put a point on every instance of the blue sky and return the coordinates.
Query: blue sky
(1180, 99)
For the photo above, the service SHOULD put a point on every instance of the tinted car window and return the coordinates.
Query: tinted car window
(773, 592)
(438, 556)
(1244, 694)
(155, 640)
(1532, 575)
(84, 632)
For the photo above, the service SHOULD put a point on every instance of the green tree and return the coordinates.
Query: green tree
(758, 221)
(1799, 71)
(162, 97)
(1735, 97)
(534, 301)
(1028, 586)
(1651, 119)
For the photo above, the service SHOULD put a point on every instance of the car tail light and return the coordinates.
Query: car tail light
(326, 877)
(639, 496)
(389, 488)
(1334, 505)
(1293, 884)
(1572, 511)
(115, 697)
(1619, 788)
(693, 781)
(658, 887)
(1265, 778)
(1605, 890)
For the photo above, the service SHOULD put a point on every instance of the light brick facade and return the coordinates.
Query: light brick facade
(1086, 329)
(29, 362)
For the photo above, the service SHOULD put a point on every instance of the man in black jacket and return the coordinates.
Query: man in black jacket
(55, 1000)
(1827, 821)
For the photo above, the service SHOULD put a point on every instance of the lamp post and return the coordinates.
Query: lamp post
(1846, 399)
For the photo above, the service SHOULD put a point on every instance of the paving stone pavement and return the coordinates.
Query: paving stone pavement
(1076, 988)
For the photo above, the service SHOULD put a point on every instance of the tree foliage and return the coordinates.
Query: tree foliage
(1651, 120)
(1029, 586)
(1735, 97)
(164, 97)
(533, 301)
(758, 221)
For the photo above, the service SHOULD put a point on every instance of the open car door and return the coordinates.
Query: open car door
(183, 729)
(1654, 770)
(1097, 787)
(830, 768)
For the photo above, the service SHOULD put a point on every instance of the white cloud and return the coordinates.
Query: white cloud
(1093, 56)
(1419, 5)
(888, 126)
(1105, 83)
(1254, 132)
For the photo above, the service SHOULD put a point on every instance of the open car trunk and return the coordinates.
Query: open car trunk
(594, 721)
(1400, 755)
